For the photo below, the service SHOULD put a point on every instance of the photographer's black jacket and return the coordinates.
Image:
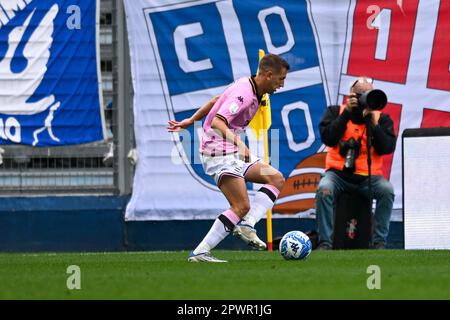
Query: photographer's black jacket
(332, 127)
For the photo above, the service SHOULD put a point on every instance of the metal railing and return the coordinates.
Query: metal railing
(96, 168)
(80, 169)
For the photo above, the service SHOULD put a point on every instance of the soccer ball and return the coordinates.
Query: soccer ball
(295, 245)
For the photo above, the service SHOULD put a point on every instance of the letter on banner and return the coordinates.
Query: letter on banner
(180, 35)
(262, 15)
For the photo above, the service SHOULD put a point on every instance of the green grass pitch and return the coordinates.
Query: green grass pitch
(248, 275)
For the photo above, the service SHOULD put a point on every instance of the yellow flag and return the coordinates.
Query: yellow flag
(263, 118)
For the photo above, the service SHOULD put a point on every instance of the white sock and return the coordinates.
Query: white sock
(262, 201)
(221, 227)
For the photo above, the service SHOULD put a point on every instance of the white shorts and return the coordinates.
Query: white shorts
(227, 165)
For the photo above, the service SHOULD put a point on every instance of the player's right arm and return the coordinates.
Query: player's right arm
(221, 126)
(175, 126)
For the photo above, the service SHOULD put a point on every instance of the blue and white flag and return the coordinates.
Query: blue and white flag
(49, 76)
(184, 53)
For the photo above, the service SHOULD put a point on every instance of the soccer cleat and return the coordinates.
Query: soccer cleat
(203, 257)
(324, 246)
(247, 233)
(378, 246)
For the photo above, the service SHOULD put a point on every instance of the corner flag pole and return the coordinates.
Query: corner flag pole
(269, 212)
(267, 122)
(261, 123)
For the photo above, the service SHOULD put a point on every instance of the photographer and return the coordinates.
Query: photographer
(344, 130)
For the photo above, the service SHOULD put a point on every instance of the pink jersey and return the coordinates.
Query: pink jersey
(236, 106)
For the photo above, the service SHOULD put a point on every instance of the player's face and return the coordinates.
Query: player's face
(276, 80)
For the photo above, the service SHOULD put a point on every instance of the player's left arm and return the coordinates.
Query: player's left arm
(231, 108)
(175, 126)
(220, 124)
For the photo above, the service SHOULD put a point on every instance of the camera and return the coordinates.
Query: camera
(350, 151)
(373, 99)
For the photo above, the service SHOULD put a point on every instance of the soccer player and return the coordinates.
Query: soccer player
(227, 159)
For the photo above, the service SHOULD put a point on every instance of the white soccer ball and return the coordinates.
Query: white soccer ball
(295, 245)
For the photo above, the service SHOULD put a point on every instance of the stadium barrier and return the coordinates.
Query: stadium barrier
(95, 223)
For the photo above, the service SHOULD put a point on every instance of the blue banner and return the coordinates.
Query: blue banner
(205, 35)
(186, 52)
(49, 83)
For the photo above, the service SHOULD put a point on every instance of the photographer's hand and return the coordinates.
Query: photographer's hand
(374, 114)
(352, 102)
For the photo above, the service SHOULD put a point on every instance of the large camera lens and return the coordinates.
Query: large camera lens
(373, 99)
